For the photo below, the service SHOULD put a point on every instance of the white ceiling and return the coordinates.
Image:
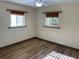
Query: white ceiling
(47, 2)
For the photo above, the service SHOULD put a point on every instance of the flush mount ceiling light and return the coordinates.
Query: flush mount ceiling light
(38, 3)
(41, 3)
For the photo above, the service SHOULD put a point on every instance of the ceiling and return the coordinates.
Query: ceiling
(46, 2)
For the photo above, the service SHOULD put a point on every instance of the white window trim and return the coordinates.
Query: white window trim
(22, 26)
(52, 26)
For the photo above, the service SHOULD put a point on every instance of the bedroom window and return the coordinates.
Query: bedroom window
(17, 19)
(52, 20)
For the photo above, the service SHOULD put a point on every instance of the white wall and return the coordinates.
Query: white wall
(67, 35)
(9, 36)
(69, 23)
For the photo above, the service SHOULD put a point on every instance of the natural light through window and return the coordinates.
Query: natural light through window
(55, 55)
(17, 20)
(52, 21)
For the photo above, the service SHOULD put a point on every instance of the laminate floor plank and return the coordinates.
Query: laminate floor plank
(38, 49)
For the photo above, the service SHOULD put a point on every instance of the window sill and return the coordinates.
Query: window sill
(16, 27)
(52, 27)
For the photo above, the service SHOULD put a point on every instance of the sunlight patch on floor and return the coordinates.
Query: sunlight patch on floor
(55, 55)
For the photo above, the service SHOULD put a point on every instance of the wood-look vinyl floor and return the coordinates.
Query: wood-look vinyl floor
(37, 49)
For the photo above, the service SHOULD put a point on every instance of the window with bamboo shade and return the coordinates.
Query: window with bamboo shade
(52, 19)
(17, 18)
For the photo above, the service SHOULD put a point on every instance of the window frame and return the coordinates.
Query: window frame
(52, 15)
(15, 12)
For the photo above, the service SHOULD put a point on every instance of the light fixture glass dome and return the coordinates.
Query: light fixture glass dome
(38, 4)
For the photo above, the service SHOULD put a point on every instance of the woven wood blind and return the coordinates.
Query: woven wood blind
(52, 14)
(17, 12)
